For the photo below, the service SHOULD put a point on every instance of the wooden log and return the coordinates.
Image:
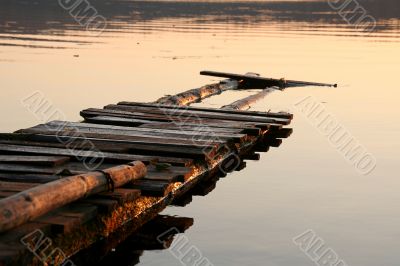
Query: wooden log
(32, 203)
(245, 103)
(212, 110)
(196, 95)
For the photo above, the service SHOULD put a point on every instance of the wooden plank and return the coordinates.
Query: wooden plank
(196, 113)
(211, 129)
(16, 187)
(252, 157)
(282, 133)
(84, 212)
(104, 205)
(18, 168)
(273, 142)
(6, 194)
(116, 146)
(138, 138)
(213, 110)
(159, 118)
(27, 178)
(59, 223)
(150, 187)
(172, 132)
(119, 121)
(121, 195)
(122, 121)
(24, 149)
(172, 174)
(41, 160)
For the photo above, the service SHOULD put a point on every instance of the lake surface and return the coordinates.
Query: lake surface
(150, 49)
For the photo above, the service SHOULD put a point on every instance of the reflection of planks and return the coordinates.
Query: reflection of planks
(174, 142)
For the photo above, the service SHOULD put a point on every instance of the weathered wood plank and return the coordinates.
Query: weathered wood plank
(172, 174)
(116, 146)
(118, 121)
(41, 160)
(27, 178)
(16, 187)
(121, 157)
(104, 205)
(138, 138)
(122, 195)
(159, 118)
(211, 129)
(172, 132)
(84, 212)
(150, 187)
(212, 110)
(123, 121)
(18, 168)
(60, 224)
(196, 113)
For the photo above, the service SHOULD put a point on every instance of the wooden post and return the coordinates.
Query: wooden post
(34, 202)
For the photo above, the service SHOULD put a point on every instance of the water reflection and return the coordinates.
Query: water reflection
(157, 234)
(47, 18)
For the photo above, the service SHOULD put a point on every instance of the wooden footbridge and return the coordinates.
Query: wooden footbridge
(65, 186)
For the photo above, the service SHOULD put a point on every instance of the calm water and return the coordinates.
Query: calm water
(154, 48)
